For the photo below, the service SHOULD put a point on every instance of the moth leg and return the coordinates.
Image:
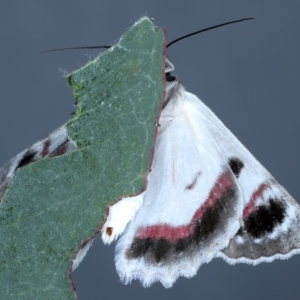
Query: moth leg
(81, 254)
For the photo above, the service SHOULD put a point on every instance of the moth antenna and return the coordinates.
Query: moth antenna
(168, 45)
(206, 29)
(75, 48)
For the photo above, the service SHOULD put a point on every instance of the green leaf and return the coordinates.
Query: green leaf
(54, 204)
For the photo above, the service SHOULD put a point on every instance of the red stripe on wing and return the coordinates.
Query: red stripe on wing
(255, 196)
(172, 233)
(45, 151)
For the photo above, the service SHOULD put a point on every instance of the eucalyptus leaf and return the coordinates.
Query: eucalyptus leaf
(54, 205)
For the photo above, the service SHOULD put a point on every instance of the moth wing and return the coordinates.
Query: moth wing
(270, 228)
(55, 144)
(270, 220)
(191, 206)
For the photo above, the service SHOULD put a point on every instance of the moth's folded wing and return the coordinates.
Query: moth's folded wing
(55, 144)
(271, 227)
(270, 219)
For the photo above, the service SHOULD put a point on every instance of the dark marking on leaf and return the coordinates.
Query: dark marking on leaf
(236, 166)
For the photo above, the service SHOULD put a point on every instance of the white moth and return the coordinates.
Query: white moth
(206, 197)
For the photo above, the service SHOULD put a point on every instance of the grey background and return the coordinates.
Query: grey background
(248, 74)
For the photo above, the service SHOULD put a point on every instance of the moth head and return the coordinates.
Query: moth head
(172, 83)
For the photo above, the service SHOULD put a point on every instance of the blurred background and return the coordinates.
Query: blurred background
(247, 73)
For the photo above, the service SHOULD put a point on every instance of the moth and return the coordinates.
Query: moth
(206, 197)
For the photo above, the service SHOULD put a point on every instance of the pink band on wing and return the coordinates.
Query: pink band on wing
(251, 204)
(173, 233)
(45, 151)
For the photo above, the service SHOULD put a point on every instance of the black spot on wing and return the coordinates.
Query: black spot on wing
(212, 217)
(193, 183)
(263, 220)
(27, 158)
(236, 166)
(161, 248)
(182, 244)
(208, 223)
(140, 247)
(241, 231)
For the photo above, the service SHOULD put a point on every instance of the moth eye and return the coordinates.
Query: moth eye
(109, 231)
